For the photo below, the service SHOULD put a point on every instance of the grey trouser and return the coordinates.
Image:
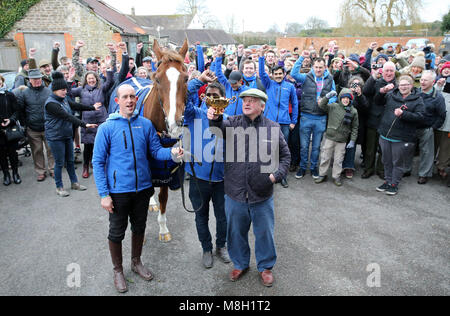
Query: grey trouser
(425, 139)
(395, 156)
(37, 142)
(329, 150)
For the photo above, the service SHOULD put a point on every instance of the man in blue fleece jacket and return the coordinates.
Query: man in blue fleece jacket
(281, 93)
(122, 174)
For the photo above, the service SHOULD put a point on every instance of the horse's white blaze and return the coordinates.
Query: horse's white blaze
(162, 223)
(173, 75)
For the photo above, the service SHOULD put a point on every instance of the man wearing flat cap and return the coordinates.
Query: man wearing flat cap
(31, 100)
(45, 67)
(256, 158)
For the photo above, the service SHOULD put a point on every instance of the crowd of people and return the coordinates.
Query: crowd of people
(393, 103)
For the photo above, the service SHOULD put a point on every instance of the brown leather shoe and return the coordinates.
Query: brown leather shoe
(237, 274)
(137, 267)
(422, 180)
(267, 278)
(116, 257)
(41, 177)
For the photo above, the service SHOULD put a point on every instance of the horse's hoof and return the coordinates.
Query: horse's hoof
(165, 237)
(153, 208)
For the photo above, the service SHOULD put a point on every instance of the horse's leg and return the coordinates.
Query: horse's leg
(153, 206)
(164, 234)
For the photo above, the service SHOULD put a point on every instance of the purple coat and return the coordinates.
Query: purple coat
(89, 96)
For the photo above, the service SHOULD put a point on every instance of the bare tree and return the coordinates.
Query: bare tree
(199, 8)
(382, 13)
(294, 28)
(314, 23)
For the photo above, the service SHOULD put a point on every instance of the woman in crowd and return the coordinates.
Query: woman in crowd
(442, 136)
(404, 109)
(59, 122)
(8, 118)
(361, 104)
(92, 92)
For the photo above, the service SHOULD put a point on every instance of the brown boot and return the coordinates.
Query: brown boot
(116, 256)
(137, 242)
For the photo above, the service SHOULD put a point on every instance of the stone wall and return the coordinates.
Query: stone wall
(348, 44)
(76, 21)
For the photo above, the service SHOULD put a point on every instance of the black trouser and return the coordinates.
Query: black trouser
(210, 191)
(87, 154)
(8, 150)
(294, 144)
(133, 205)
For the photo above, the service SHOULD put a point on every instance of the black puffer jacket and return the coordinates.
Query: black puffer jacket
(401, 128)
(8, 110)
(245, 181)
(372, 90)
(31, 102)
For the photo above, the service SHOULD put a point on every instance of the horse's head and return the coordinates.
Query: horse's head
(170, 81)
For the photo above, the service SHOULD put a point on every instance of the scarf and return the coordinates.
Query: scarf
(251, 81)
(3, 89)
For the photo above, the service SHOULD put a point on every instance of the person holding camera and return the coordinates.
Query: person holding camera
(8, 118)
(361, 105)
(442, 134)
(350, 69)
(404, 111)
(372, 88)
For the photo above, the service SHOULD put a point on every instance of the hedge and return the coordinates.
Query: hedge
(12, 11)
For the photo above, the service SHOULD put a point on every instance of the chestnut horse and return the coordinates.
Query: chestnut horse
(165, 108)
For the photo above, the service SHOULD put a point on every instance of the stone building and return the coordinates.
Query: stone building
(67, 21)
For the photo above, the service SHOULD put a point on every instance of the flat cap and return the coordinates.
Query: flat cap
(44, 62)
(256, 93)
(34, 74)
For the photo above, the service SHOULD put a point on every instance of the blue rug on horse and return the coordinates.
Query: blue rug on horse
(142, 88)
(167, 172)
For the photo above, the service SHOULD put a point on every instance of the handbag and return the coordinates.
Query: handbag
(15, 133)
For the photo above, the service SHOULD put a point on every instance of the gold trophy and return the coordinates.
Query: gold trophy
(218, 104)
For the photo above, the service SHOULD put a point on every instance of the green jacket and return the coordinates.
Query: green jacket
(336, 130)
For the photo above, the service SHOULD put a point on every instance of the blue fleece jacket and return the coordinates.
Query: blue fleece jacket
(280, 96)
(236, 107)
(205, 146)
(121, 154)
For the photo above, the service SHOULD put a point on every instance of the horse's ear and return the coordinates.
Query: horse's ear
(157, 50)
(184, 49)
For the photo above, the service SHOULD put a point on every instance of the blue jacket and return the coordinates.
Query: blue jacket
(236, 107)
(205, 146)
(121, 154)
(280, 95)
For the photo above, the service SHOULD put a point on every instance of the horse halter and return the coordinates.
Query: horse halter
(166, 120)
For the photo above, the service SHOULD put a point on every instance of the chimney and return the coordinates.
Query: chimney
(133, 11)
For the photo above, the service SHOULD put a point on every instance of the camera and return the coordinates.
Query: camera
(377, 66)
(354, 85)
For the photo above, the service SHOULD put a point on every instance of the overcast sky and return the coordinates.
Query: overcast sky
(260, 15)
